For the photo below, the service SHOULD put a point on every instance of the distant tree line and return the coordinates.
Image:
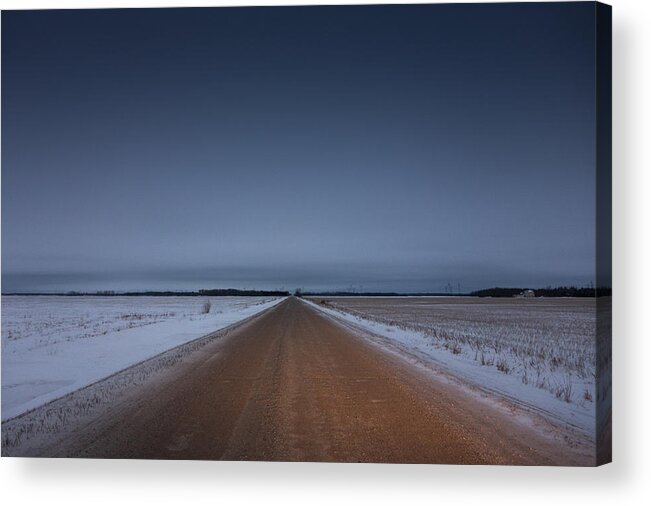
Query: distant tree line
(246, 293)
(560, 291)
(377, 294)
(218, 292)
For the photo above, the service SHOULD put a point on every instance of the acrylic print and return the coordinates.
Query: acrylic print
(332, 234)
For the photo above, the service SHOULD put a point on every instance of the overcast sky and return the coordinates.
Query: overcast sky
(393, 148)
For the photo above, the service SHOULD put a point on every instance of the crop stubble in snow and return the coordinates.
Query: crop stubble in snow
(540, 351)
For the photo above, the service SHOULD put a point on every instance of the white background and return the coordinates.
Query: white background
(627, 481)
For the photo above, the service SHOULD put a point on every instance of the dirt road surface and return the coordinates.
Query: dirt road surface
(293, 385)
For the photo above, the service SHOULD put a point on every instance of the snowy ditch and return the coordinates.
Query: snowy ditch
(52, 346)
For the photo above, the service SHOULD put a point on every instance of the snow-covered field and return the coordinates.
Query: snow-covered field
(53, 345)
(540, 353)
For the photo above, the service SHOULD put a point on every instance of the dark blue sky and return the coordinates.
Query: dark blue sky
(393, 147)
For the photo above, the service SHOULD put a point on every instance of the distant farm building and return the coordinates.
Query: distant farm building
(526, 293)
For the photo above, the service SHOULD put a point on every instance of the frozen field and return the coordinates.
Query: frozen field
(54, 345)
(537, 352)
